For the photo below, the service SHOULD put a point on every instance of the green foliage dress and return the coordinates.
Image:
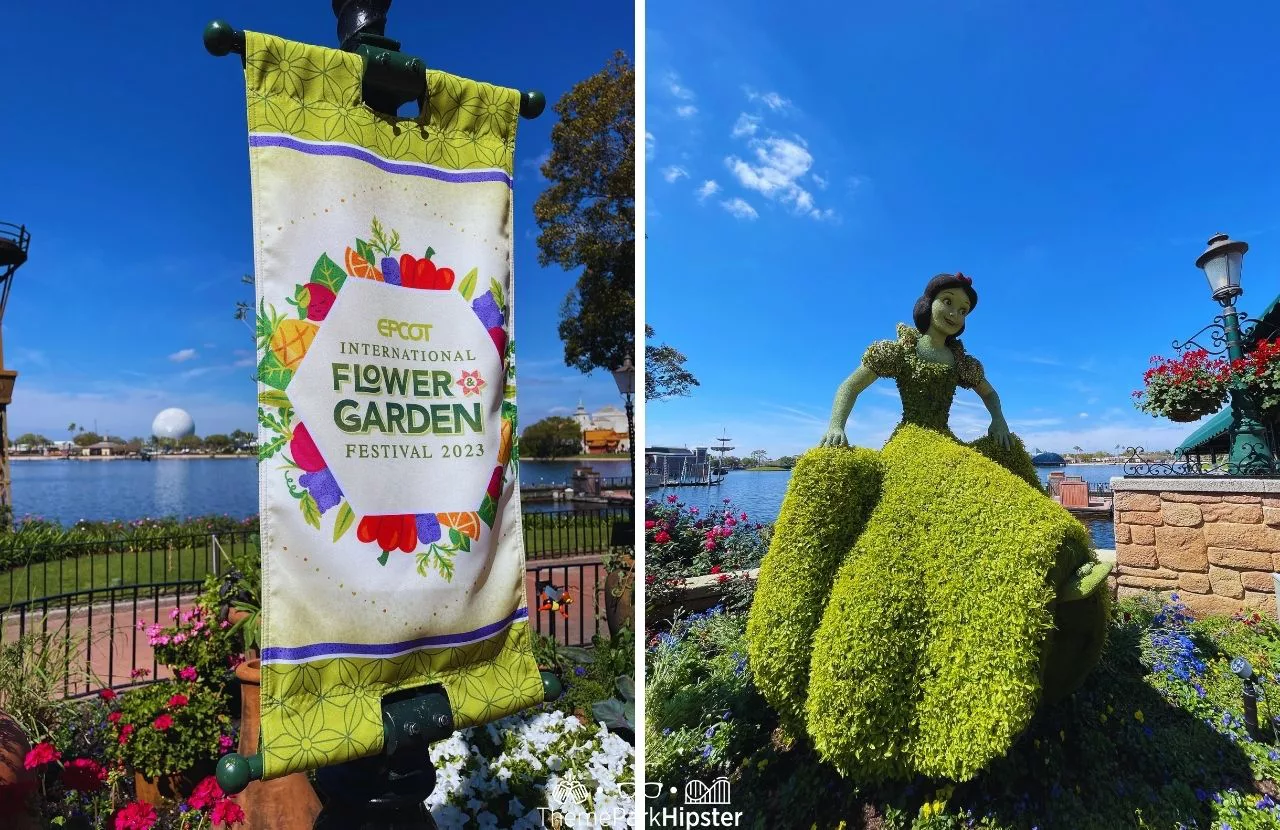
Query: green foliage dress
(918, 603)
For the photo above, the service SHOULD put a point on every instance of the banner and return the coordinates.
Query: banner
(392, 551)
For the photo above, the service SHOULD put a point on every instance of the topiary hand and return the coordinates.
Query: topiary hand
(834, 438)
(1000, 432)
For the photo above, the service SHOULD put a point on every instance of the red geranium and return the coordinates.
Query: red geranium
(40, 754)
(136, 816)
(206, 794)
(125, 732)
(108, 694)
(662, 537)
(114, 717)
(163, 722)
(177, 701)
(83, 775)
(227, 813)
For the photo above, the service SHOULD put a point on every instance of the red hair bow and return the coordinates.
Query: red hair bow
(962, 278)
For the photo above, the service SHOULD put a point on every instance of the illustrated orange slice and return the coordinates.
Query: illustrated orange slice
(468, 523)
(358, 266)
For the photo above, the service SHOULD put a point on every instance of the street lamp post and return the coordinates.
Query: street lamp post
(1250, 447)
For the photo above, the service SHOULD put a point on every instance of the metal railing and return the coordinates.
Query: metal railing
(554, 535)
(585, 583)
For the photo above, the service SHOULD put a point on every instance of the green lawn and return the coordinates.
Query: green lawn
(544, 539)
(104, 570)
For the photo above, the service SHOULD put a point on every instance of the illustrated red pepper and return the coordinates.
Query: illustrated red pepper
(423, 273)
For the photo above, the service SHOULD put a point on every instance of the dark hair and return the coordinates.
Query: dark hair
(923, 311)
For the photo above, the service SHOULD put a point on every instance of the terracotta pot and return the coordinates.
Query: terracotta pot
(619, 611)
(18, 785)
(175, 786)
(288, 803)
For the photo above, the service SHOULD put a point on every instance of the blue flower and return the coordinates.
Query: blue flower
(1273, 755)
(580, 671)
(711, 730)
(706, 751)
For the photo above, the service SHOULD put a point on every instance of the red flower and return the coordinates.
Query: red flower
(136, 673)
(189, 673)
(108, 694)
(723, 578)
(136, 816)
(390, 532)
(662, 537)
(125, 732)
(206, 794)
(83, 775)
(177, 702)
(163, 722)
(650, 524)
(114, 717)
(227, 813)
(422, 273)
(715, 569)
(41, 754)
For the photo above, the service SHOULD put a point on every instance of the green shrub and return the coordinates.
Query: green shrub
(831, 493)
(931, 653)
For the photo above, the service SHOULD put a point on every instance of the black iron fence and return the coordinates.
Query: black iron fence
(561, 533)
(584, 615)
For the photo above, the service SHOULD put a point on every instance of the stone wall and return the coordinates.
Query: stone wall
(1216, 541)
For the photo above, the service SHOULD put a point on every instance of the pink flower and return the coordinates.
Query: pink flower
(125, 732)
(188, 673)
(709, 544)
(743, 517)
(173, 615)
(136, 816)
(224, 624)
(177, 701)
(206, 794)
(671, 499)
(163, 722)
(227, 813)
(225, 743)
(41, 754)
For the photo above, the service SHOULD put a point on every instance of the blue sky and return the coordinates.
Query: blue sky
(125, 154)
(808, 172)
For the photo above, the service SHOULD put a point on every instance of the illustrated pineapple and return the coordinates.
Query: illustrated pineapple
(288, 339)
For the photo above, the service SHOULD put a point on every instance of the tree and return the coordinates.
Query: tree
(587, 216)
(32, 439)
(190, 442)
(664, 372)
(760, 457)
(554, 437)
(217, 443)
(84, 439)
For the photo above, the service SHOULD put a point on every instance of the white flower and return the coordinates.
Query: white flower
(450, 817)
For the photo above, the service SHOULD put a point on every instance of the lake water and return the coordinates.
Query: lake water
(759, 495)
(68, 491)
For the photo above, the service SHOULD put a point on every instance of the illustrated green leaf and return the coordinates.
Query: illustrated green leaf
(465, 544)
(311, 511)
(275, 398)
(455, 537)
(346, 518)
(488, 510)
(430, 253)
(274, 373)
(366, 251)
(499, 297)
(301, 299)
(327, 273)
(468, 286)
(271, 447)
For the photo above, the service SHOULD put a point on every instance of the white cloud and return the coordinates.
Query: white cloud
(676, 89)
(780, 163)
(687, 111)
(183, 355)
(772, 100)
(648, 146)
(709, 188)
(1084, 414)
(746, 125)
(739, 208)
(244, 358)
(674, 173)
(819, 181)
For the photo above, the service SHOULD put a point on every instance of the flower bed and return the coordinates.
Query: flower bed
(684, 542)
(1155, 738)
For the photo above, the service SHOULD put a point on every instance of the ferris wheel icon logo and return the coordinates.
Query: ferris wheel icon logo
(717, 792)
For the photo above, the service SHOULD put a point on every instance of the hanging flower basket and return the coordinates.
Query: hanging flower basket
(1259, 373)
(1186, 389)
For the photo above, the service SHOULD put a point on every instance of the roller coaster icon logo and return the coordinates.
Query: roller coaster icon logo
(715, 793)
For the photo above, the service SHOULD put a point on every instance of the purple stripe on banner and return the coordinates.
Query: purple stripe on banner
(398, 167)
(278, 654)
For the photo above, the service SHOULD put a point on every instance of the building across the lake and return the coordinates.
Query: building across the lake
(603, 431)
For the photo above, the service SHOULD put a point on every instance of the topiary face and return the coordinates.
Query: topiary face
(949, 310)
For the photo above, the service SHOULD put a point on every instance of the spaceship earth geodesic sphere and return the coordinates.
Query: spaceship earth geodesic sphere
(173, 423)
